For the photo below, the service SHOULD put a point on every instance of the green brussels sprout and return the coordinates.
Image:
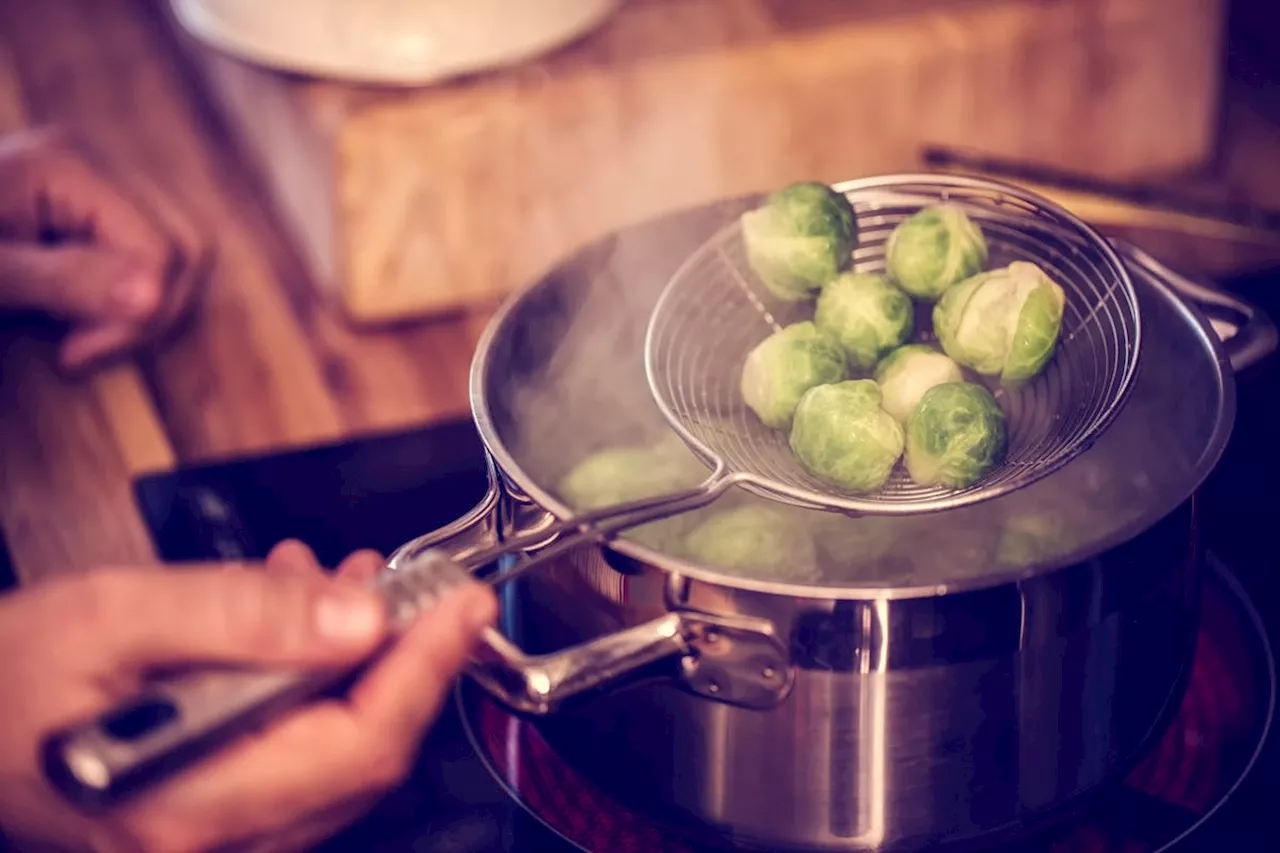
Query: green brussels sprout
(799, 239)
(1033, 538)
(955, 436)
(1004, 322)
(843, 436)
(866, 314)
(933, 249)
(786, 364)
(635, 472)
(907, 372)
(757, 540)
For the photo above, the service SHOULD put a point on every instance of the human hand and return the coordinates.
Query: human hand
(87, 640)
(120, 265)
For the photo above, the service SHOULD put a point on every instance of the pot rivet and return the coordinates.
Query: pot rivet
(769, 672)
(711, 637)
(713, 687)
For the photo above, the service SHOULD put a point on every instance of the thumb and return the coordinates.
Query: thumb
(77, 282)
(153, 619)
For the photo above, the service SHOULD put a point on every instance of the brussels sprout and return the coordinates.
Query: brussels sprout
(631, 473)
(867, 314)
(843, 436)
(1004, 322)
(933, 249)
(799, 239)
(755, 539)
(907, 372)
(785, 365)
(955, 436)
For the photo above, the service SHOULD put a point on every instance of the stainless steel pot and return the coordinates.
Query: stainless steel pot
(938, 691)
(864, 716)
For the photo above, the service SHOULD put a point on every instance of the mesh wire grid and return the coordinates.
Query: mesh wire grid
(715, 310)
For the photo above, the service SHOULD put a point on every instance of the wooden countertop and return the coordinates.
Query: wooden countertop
(263, 365)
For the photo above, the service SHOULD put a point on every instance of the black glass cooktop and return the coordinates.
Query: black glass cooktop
(484, 776)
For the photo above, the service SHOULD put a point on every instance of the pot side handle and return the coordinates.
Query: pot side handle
(736, 660)
(732, 660)
(1248, 334)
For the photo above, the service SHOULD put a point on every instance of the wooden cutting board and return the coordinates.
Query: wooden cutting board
(427, 201)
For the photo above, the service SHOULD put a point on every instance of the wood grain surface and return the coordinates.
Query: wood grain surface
(265, 363)
(262, 365)
(426, 200)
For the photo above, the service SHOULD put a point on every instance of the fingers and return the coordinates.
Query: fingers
(60, 209)
(361, 567)
(95, 346)
(303, 765)
(77, 282)
(191, 255)
(292, 557)
(403, 693)
(58, 192)
(142, 620)
(330, 753)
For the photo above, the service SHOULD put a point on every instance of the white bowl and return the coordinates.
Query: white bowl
(399, 42)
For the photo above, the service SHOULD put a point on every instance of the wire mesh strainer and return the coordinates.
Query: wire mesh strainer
(715, 310)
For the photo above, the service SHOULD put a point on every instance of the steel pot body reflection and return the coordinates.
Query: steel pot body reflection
(910, 722)
(864, 716)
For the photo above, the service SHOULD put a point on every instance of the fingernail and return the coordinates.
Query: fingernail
(135, 293)
(349, 615)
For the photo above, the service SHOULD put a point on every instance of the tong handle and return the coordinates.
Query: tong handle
(175, 721)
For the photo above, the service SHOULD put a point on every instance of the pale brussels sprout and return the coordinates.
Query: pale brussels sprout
(635, 472)
(1004, 322)
(757, 540)
(1031, 538)
(799, 239)
(933, 249)
(907, 372)
(956, 436)
(955, 545)
(843, 436)
(785, 365)
(849, 547)
(866, 314)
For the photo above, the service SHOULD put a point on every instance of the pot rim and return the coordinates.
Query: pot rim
(506, 463)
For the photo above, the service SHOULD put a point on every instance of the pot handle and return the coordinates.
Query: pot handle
(738, 660)
(1248, 334)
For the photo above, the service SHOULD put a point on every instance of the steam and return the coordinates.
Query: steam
(590, 391)
(575, 384)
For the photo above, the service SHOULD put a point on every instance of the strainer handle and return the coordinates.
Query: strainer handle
(1248, 333)
(176, 720)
